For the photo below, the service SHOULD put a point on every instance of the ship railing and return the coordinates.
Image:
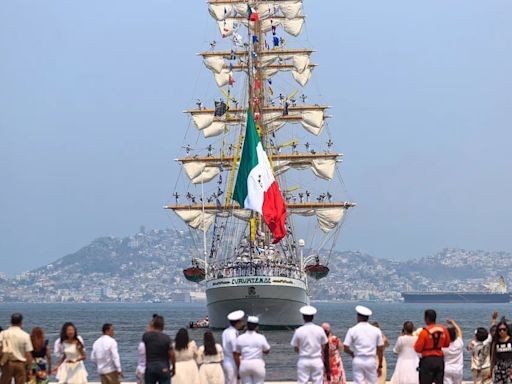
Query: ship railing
(242, 271)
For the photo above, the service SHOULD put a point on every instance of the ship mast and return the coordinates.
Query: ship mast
(259, 62)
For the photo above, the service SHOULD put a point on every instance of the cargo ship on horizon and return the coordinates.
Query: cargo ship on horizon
(496, 293)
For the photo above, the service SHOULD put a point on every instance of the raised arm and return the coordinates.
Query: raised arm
(494, 318)
(458, 331)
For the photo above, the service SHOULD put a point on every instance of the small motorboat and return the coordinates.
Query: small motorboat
(203, 323)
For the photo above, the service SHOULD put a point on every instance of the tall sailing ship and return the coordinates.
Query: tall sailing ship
(264, 223)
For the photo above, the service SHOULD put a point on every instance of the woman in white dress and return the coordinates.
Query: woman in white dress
(210, 357)
(70, 368)
(407, 360)
(186, 354)
(454, 355)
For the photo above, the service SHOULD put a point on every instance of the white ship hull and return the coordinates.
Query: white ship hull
(276, 300)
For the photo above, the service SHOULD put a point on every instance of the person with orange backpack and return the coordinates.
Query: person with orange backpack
(430, 342)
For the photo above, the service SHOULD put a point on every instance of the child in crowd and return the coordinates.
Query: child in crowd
(480, 348)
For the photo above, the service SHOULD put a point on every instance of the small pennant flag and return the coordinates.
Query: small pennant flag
(252, 15)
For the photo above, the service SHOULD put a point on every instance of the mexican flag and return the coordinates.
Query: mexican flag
(256, 187)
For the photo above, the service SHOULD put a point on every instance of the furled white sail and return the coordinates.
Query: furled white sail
(312, 120)
(322, 168)
(293, 26)
(210, 126)
(302, 77)
(328, 218)
(197, 219)
(313, 117)
(201, 171)
(198, 172)
(222, 78)
(300, 61)
(220, 11)
(214, 63)
(299, 64)
(202, 120)
(289, 9)
(214, 129)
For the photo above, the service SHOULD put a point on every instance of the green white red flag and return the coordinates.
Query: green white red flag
(256, 187)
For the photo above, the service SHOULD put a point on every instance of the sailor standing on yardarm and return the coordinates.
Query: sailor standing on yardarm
(229, 336)
(363, 342)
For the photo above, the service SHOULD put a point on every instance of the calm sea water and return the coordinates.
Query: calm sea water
(130, 321)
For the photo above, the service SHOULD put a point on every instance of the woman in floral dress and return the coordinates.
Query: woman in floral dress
(334, 371)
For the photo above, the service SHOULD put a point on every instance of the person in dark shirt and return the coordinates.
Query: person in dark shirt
(501, 354)
(159, 353)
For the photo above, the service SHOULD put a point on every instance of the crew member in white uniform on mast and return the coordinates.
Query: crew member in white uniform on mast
(363, 342)
(251, 346)
(231, 359)
(308, 341)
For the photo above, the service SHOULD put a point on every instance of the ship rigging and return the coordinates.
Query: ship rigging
(243, 265)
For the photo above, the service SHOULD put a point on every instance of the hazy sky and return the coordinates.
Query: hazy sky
(91, 94)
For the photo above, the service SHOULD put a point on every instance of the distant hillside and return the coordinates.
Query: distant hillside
(148, 266)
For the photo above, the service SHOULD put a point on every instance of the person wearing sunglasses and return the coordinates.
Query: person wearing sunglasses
(501, 354)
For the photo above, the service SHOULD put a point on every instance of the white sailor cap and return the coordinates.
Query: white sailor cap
(236, 315)
(363, 311)
(308, 310)
(253, 319)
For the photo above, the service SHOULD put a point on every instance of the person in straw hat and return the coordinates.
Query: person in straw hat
(364, 342)
(309, 341)
(229, 336)
(251, 346)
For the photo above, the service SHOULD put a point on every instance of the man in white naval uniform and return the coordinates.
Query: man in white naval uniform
(308, 341)
(231, 359)
(363, 342)
(251, 346)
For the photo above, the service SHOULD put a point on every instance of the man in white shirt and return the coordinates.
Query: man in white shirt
(308, 341)
(106, 356)
(15, 348)
(231, 358)
(251, 346)
(364, 342)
